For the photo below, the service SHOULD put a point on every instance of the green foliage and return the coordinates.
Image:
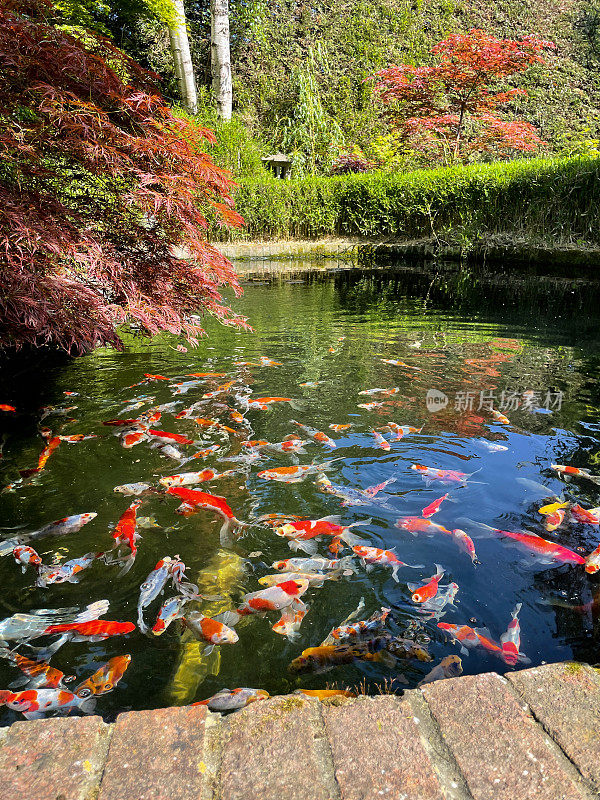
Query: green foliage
(544, 199)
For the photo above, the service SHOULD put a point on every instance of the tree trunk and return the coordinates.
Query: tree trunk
(182, 60)
(220, 63)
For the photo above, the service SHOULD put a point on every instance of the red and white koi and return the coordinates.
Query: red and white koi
(383, 443)
(25, 556)
(272, 599)
(416, 525)
(194, 499)
(36, 703)
(190, 478)
(206, 629)
(314, 434)
(293, 474)
(499, 417)
(291, 618)
(69, 572)
(171, 609)
(384, 392)
(155, 582)
(580, 514)
(444, 476)
(301, 532)
(125, 533)
(471, 637)
(434, 507)
(511, 640)
(575, 472)
(464, 541)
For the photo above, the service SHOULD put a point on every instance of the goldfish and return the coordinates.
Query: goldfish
(53, 443)
(268, 362)
(325, 694)
(376, 649)
(61, 527)
(104, 679)
(237, 417)
(581, 514)
(422, 593)
(383, 443)
(449, 667)
(184, 386)
(6, 407)
(575, 472)
(340, 427)
(313, 578)
(436, 605)
(133, 488)
(357, 631)
(232, 699)
(434, 507)
(77, 437)
(492, 447)
(272, 599)
(543, 547)
(189, 478)
(293, 474)
(470, 637)
(314, 434)
(206, 452)
(125, 532)
(130, 438)
(211, 423)
(511, 640)
(498, 417)
(370, 406)
(207, 375)
(385, 392)
(175, 437)
(121, 423)
(263, 403)
(400, 430)
(205, 629)
(154, 584)
(36, 703)
(373, 491)
(300, 533)
(25, 556)
(171, 609)
(383, 558)
(552, 507)
(311, 385)
(193, 499)
(592, 562)
(554, 520)
(219, 390)
(155, 377)
(69, 572)
(396, 363)
(444, 476)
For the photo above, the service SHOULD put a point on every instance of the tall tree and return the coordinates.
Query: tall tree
(100, 188)
(182, 59)
(450, 108)
(220, 58)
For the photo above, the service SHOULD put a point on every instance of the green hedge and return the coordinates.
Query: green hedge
(542, 198)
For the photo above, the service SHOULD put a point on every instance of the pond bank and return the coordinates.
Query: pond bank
(535, 735)
(504, 251)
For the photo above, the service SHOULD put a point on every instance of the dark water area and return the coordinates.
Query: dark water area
(528, 342)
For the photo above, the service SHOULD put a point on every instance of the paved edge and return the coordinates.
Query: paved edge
(534, 734)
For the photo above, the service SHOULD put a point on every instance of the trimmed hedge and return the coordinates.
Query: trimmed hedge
(544, 199)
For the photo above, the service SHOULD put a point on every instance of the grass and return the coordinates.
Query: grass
(552, 200)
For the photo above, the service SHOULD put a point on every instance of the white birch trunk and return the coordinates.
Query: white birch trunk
(182, 60)
(220, 60)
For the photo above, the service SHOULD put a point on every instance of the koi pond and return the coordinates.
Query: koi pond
(432, 410)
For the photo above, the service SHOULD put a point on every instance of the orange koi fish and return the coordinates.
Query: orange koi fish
(5, 407)
(133, 437)
(471, 637)
(121, 422)
(543, 547)
(94, 631)
(323, 694)
(77, 437)
(400, 430)
(417, 525)
(207, 375)
(211, 423)
(396, 363)
(155, 377)
(106, 678)
(291, 618)
(206, 452)
(125, 532)
(193, 499)
(40, 674)
(434, 507)
(592, 562)
(340, 427)
(292, 474)
(498, 417)
(36, 703)
(384, 558)
(174, 437)
(205, 629)
(383, 443)
(511, 640)
(428, 590)
(219, 390)
(554, 520)
(314, 434)
(237, 417)
(53, 443)
(305, 530)
(444, 476)
(24, 556)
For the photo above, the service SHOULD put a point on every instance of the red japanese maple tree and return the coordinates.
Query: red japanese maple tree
(101, 187)
(452, 108)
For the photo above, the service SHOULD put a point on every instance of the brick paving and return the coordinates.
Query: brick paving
(533, 734)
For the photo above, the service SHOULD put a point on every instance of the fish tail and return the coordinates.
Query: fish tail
(127, 565)
(227, 529)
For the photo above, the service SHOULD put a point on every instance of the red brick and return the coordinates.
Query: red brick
(377, 751)
(156, 755)
(53, 759)
(502, 752)
(565, 698)
(270, 752)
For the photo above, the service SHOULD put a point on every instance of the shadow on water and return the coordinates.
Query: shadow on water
(471, 335)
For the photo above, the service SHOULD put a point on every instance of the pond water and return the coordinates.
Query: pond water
(530, 343)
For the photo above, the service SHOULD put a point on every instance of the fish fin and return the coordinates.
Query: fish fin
(387, 659)
(229, 618)
(335, 519)
(536, 488)
(368, 567)
(439, 570)
(298, 405)
(523, 659)
(367, 521)
(309, 546)
(351, 539)
(412, 587)
(88, 706)
(227, 529)
(464, 651)
(483, 632)
(208, 650)
(395, 574)
(126, 566)
(471, 523)
(414, 566)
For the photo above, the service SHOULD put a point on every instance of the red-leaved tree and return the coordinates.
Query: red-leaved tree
(453, 108)
(100, 188)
